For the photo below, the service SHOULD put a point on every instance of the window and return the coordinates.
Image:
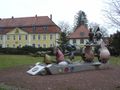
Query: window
(44, 37)
(19, 37)
(82, 33)
(39, 37)
(44, 45)
(8, 37)
(23, 28)
(19, 46)
(33, 37)
(13, 37)
(82, 41)
(45, 27)
(1, 37)
(51, 36)
(33, 45)
(33, 27)
(38, 45)
(13, 45)
(74, 40)
(51, 45)
(26, 37)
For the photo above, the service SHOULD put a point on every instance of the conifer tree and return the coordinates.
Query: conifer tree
(80, 19)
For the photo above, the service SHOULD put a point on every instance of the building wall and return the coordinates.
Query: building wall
(43, 40)
(19, 38)
(78, 41)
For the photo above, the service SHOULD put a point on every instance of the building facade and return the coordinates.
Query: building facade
(79, 36)
(38, 31)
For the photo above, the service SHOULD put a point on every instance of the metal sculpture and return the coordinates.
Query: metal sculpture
(104, 53)
(66, 66)
(87, 53)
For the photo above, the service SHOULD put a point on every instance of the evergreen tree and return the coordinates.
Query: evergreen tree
(116, 41)
(80, 19)
(63, 40)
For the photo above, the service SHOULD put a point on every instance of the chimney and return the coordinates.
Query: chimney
(12, 17)
(36, 15)
(51, 16)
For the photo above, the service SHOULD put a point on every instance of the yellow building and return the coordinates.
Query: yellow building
(38, 31)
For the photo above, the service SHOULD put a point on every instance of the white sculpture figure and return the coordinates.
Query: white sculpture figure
(104, 53)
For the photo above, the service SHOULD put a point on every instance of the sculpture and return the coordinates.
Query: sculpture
(62, 66)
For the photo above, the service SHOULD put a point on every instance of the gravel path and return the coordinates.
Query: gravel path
(106, 79)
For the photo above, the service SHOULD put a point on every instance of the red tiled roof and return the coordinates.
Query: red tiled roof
(80, 32)
(27, 23)
(51, 29)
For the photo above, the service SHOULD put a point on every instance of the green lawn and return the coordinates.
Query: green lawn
(115, 60)
(7, 61)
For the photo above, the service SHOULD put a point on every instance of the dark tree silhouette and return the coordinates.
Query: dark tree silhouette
(80, 19)
(115, 42)
(63, 40)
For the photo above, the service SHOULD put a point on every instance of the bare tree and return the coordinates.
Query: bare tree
(112, 12)
(64, 26)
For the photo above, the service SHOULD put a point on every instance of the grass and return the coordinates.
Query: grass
(2, 88)
(115, 60)
(8, 87)
(7, 61)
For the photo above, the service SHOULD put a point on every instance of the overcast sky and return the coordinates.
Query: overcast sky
(61, 10)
